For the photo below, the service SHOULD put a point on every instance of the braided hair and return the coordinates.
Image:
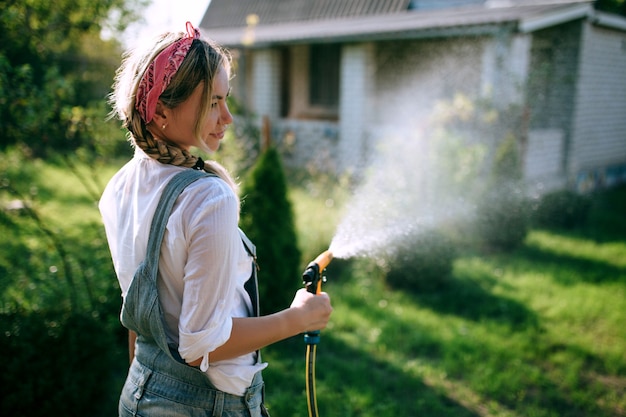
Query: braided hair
(202, 62)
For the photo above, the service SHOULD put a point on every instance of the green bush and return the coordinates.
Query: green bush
(54, 67)
(561, 209)
(420, 261)
(503, 219)
(267, 219)
(55, 364)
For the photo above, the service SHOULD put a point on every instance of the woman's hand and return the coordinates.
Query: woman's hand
(314, 309)
(307, 312)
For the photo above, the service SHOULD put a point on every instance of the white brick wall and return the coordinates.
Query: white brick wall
(355, 92)
(543, 159)
(389, 85)
(265, 83)
(599, 134)
(505, 64)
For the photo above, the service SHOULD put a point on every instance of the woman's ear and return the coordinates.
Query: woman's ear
(160, 115)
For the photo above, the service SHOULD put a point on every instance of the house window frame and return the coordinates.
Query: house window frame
(324, 77)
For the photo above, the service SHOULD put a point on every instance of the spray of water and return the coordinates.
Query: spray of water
(431, 171)
(384, 208)
(416, 183)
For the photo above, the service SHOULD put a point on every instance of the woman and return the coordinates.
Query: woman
(172, 97)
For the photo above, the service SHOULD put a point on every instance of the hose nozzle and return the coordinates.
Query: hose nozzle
(311, 278)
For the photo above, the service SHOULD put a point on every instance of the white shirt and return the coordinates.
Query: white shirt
(202, 267)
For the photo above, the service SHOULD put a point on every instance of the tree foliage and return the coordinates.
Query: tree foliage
(267, 218)
(59, 300)
(612, 6)
(53, 61)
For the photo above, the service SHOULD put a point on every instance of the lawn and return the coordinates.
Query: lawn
(534, 332)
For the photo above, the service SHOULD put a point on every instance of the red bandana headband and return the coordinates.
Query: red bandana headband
(160, 72)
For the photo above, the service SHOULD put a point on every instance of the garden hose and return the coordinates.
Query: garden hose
(311, 395)
(312, 280)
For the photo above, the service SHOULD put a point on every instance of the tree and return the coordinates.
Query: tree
(52, 60)
(267, 219)
(612, 6)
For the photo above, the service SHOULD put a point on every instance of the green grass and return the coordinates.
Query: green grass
(536, 332)
(317, 213)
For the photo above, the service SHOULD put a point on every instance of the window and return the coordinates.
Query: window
(285, 73)
(324, 76)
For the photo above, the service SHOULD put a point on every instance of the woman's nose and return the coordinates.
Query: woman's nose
(226, 118)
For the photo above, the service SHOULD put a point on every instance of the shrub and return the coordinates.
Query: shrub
(267, 219)
(561, 209)
(421, 261)
(55, 363)
(502, 217)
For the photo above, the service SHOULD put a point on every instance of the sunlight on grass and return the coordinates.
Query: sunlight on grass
(570, 299)
(60, 190)
(316, 219)
(511, 334)
(588, 306)
(612, 253)
(534, 332)
(459, 391)
(423, 343)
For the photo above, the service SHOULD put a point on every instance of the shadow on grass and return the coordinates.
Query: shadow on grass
(350, 382)
(467, 297)
(475, 375)
(519, 369)
(567, 270)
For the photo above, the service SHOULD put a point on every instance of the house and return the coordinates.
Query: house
(332, 76)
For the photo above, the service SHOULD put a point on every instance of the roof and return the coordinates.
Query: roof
(229, 13)
(268, 22)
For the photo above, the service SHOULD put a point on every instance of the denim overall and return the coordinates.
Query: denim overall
(159, 382)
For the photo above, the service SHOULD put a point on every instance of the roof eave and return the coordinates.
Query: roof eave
(555, 18)
(398, 26)
(465, 22)
(610, 21)
(242, 38)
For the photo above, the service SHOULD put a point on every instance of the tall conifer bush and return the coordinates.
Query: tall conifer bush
(267, 219)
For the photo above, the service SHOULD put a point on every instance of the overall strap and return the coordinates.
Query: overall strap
(157, 230)
(141, 311)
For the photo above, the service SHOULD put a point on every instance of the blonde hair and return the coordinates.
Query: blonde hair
(203, 61)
